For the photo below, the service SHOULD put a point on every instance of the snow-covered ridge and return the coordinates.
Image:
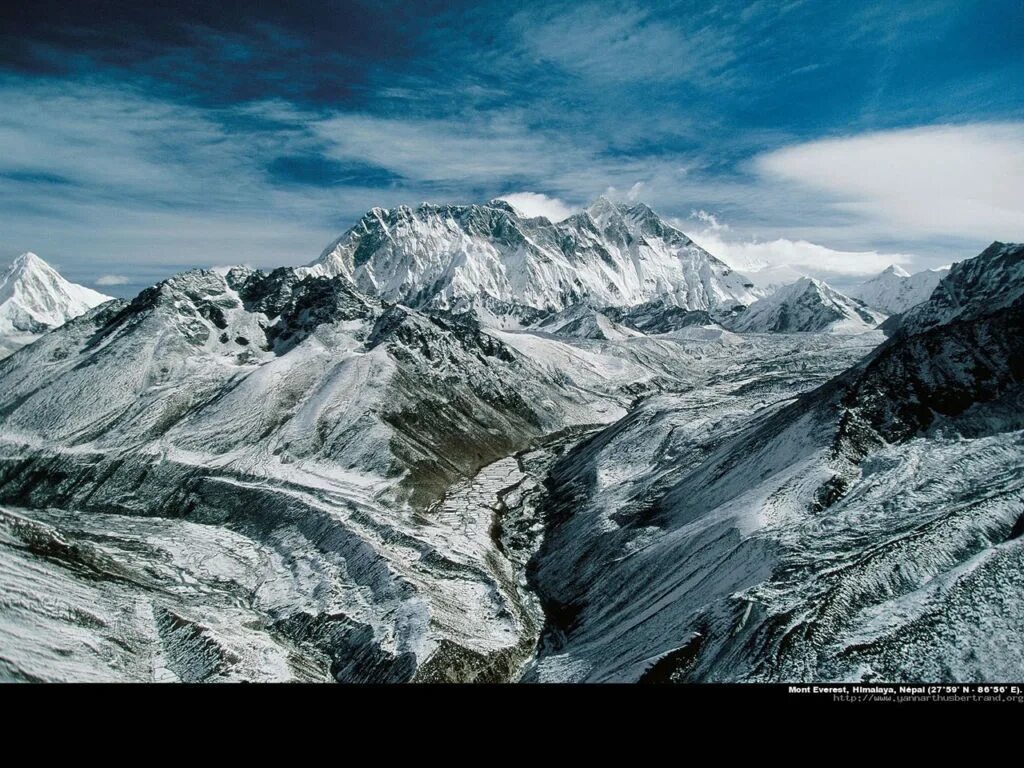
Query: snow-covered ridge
(895, 290)
(584, 322)
(241, 475)
(462, 256)
(808, 305)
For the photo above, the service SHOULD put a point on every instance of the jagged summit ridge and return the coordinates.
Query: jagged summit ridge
(462, 256)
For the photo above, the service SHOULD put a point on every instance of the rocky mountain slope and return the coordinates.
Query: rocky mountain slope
(490, 258)
(35, 298)
(585, 322)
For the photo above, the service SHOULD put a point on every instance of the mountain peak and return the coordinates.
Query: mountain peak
(34, 297)
(807, 282)
(808, 305)
(641, 208)
(505, 205)
(26, 263)
(26, 259)
(896, 269)
(895, 290)
(603, 210)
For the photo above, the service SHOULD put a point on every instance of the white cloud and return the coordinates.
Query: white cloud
(709, 219)
(473, 150)
(105, 280)
(635, 191)
(536, 204)
(962, 181)
(772, 262)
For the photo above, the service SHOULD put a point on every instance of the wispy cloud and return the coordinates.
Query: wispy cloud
(708, 219)
(628, 43)
(474, 149)
(960, 180)
(118, 178)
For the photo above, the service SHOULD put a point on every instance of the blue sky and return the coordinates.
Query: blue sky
(140, 139)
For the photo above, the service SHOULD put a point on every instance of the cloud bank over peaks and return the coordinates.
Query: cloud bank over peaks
(784, 258)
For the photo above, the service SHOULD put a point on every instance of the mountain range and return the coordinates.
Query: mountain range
(468, 445)
(490, 258)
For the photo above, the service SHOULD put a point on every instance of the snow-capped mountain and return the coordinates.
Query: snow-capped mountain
(337, 438)
(808, 305)
(491, 258)
(35, 298)
(895, 290)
